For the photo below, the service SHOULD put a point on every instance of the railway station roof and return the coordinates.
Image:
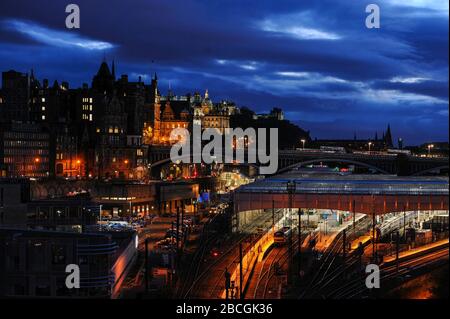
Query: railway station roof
(350, 184)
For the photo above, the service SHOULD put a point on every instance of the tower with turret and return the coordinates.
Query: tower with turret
(157, 120)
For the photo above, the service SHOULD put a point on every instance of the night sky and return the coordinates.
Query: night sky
(315, 59)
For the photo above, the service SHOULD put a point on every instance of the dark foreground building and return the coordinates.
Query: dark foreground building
(33, 263)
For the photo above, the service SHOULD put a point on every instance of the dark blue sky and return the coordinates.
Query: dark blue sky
(315, 59)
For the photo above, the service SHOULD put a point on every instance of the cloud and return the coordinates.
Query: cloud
(250, 67)
(396, 97)
(436, 5)
(297, 31)
(67, 39)
(293, 74)
(314, 59)
(399, 79)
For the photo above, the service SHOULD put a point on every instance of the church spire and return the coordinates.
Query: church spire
(170, 93)
(388, 136)
(113, 69)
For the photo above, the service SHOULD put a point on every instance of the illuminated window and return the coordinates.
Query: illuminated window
(90, 100)
(90, 117)
(43, 117)
(43, 99)
(116, 130)
(43, 108)
(110, 130)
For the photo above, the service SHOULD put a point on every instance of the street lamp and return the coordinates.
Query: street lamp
(291, 186)
(303, 143)
(370, 144)
(79, 167)
(430, 146)
(100, 216)
(131, 212)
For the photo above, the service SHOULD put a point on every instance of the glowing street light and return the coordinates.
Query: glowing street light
(370, 144)
(79, 167)
(303, 143)
(37, 160)
(430, 146)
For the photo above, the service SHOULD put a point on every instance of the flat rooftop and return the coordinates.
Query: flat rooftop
(341, 183)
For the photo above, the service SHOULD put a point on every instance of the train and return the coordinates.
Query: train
(281, 236)
(396, 151)
(396, 223)
(333, 149)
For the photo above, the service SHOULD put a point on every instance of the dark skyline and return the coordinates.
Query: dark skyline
(317, 61)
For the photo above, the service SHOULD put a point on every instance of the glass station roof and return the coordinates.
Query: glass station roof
(339, 183)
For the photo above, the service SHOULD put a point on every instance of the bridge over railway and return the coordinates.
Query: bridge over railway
(367, 194)
(398, 164)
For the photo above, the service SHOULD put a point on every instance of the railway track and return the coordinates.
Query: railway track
(271, 259)
(199, 286)
(356, 287)
(188, 277)
(329, 269)
(274, 261)
(272, 285)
